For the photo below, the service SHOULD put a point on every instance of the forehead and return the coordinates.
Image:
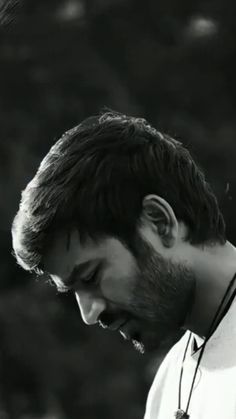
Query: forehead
(66, 250)
(61, 251)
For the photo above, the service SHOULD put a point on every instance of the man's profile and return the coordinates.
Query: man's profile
(120, 214)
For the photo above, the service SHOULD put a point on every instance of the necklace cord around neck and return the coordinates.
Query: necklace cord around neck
(211, 330)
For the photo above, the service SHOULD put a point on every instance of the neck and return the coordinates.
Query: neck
(214, 268)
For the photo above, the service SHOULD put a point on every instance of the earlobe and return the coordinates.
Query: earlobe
(161, 217)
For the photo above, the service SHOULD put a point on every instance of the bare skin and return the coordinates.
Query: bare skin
(214, 268)
(171, 284)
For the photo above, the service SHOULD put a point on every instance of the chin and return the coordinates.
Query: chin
(142, 346)
(143, 343)
(139, 346)
(146, 337)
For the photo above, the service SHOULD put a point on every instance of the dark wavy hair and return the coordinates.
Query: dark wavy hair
(95, 178)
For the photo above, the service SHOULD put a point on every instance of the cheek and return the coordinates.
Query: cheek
(117, 288)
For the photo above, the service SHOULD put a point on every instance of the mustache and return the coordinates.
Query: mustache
(107, 318)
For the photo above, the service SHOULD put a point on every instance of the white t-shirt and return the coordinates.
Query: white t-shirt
(214, 393)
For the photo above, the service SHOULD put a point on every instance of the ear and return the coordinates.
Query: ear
(161, 217)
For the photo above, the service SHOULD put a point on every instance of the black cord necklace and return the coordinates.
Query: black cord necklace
(181, 414)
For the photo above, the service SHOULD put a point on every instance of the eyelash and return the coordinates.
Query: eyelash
(63, 290)
(60, 288)
(92, 279)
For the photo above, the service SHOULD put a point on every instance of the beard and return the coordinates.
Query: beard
(161, 298)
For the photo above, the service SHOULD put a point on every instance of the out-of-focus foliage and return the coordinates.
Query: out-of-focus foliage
(169, 61)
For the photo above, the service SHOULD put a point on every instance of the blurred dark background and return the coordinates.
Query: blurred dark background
(170, 61)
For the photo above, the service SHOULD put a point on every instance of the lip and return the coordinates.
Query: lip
(116, 325)
(125, 331)
(124, 334)
(104, 326)
(129, 330)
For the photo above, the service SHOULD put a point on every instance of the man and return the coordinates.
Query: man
(121, 215)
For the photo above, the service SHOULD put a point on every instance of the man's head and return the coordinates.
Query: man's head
(113, 212)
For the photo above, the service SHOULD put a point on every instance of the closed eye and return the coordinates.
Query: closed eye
(72, 283)
(93, 277)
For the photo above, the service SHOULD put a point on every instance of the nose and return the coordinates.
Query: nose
(90, 307)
